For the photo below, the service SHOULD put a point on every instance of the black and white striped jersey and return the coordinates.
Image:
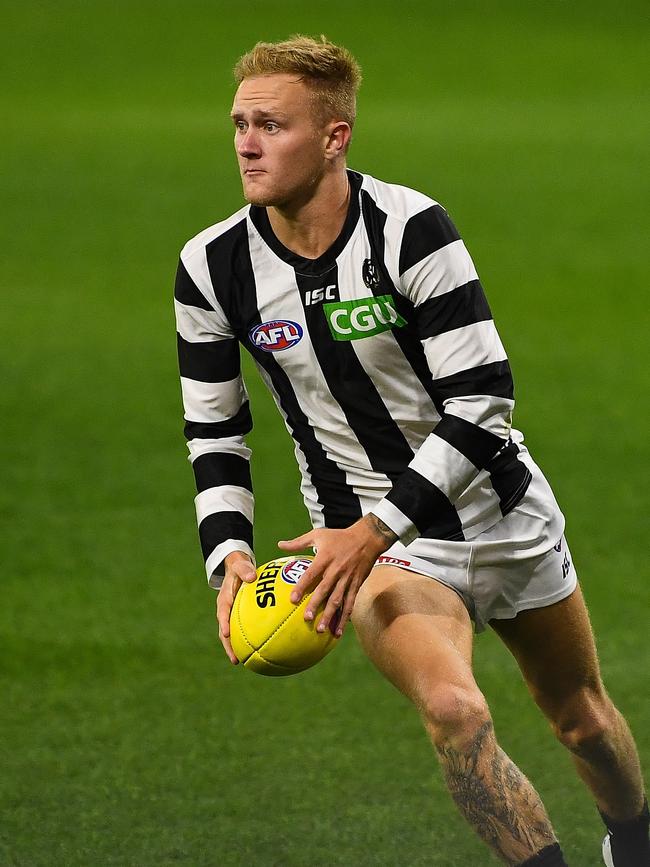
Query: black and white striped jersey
(382, 357)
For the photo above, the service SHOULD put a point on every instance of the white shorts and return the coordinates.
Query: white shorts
(521, 562)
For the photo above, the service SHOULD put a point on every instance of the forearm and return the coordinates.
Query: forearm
(423, 499)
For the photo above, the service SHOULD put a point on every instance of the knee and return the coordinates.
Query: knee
(361, 613)
(364, 617)
(586, 722)
(454, 715)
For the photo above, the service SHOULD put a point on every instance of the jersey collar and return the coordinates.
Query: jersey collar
(312, 267)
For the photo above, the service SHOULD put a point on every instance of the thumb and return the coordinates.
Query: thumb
(245, 571)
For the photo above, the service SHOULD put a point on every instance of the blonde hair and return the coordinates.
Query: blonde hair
(330, 71)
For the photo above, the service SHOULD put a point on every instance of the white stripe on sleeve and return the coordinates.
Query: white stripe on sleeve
(493, 414)
(212, 401)
(463, 348)
(227, 445)
(442, 271)
(200, 326)
(224, 498)
(444, 466)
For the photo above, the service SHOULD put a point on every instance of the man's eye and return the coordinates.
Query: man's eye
(240, 125)
(269, 126)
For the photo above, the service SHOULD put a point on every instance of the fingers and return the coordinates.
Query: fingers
(307, 582)
(333, 604)
(227, 646)
(297, 544)
(239, 568)
(340, 595)
(341, 564)
(338, 624)
(225, 600)
(334, 589)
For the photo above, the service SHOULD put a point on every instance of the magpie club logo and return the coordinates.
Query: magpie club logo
(370, 274)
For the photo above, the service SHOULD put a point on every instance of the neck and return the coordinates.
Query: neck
(309, 228)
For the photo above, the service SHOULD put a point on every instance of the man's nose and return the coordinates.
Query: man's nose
(248, 144)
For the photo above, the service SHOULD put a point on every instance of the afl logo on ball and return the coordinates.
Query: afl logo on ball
(275, 335)
(293, 571)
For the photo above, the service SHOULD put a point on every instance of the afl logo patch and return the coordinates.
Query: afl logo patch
(293, 571)
(275, 335)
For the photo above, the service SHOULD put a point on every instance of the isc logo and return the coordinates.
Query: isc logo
(323, 293)
(275, 335)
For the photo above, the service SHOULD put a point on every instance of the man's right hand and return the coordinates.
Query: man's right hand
(238, 569)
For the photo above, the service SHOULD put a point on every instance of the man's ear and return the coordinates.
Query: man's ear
(338, 139)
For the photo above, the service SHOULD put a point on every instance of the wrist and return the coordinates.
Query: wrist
(380, 536)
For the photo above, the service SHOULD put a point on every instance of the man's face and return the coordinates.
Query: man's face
(279, 143)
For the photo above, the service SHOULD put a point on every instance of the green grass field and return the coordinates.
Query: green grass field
(125, 736)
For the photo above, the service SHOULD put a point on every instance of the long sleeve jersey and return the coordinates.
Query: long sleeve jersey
(383, 360)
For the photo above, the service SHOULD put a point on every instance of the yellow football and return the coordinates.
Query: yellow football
(267, 631)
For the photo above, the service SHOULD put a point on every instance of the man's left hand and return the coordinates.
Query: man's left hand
(342, 563)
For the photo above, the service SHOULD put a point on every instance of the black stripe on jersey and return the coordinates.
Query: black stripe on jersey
(427, 507)
(239, 425)
(478, 445)
(493, 379)
(233, 280)
(407, 338)
(187, 292)
(369, 419)
(213, 469)
(425, 233)
(215, 361)
(231, 274)
(217, 528)
(464, 305)
(509, 477)
(341, 506)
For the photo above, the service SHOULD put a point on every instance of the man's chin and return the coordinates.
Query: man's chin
(255, 194)
(258, 198)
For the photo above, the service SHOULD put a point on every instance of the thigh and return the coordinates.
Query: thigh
(415, 630)
(555, 649)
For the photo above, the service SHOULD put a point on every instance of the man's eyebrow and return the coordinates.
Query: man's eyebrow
(258, 114)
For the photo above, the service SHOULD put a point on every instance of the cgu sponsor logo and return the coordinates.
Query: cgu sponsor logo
(362, 317)
(293, 571)
(275, 335)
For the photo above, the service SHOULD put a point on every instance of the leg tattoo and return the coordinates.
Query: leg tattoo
(495, 797)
